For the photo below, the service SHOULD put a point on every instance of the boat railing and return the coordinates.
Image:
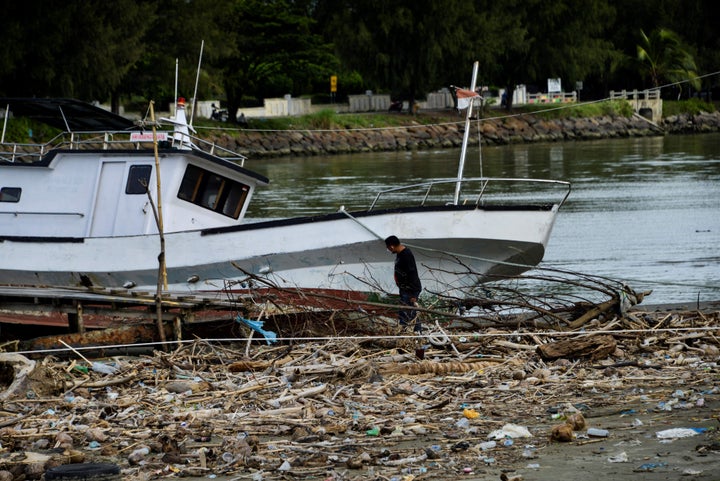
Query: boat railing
(476, 190)
(110, 140)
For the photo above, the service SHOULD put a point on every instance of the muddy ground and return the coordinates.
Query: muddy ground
(371, 409)
(632, 450)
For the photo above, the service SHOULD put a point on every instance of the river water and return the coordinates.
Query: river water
(645, 211)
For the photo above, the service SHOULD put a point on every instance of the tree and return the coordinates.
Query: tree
(406, 46)
(81, 49)
(664, 58)
(554, 38)
(177, 35)
(276, 50)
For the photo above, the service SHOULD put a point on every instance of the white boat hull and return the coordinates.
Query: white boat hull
(87, 213)
(454, 246)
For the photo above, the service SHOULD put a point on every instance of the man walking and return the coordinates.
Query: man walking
(407, 280)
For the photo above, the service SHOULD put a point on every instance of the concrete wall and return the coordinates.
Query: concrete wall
(286, 106)
(642, 102)
(368, 103)
(438, 100)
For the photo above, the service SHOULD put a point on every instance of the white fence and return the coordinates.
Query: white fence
(644, 102)
(552, 98)
(368, 103)
(286, 106)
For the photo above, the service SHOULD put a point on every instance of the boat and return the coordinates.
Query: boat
(109, 203)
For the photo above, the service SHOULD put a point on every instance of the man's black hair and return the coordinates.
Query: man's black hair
(392, 241)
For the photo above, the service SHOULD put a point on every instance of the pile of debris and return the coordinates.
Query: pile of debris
(450, 402)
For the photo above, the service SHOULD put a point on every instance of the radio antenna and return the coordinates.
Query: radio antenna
(176, 84)
(197, 79)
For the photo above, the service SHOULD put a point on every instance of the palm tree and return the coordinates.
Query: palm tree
(665, 59)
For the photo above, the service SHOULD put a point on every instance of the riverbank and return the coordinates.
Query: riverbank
(447, 130)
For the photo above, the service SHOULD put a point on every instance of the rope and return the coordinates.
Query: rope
(473, 337)
(350, 216)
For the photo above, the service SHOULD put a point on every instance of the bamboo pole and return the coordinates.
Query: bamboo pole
(162, 268)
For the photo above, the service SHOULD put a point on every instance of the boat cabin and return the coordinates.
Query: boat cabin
(108, 187)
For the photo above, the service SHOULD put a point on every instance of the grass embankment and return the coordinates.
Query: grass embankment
(22, 130)
(330, 120)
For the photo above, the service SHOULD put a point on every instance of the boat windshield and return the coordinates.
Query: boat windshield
(213, 191)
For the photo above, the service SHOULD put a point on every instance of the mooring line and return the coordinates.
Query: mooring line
(464, 337)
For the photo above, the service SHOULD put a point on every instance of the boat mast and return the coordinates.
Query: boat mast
(197, 80)
(466, 136)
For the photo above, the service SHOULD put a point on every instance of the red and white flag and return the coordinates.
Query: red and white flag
(464, 97)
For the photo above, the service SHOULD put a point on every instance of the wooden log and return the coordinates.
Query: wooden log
(593, 313)
(594, 347)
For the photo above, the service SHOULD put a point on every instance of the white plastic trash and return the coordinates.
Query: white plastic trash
(619, 458)
(510, 431)
(103, 368)
(676, 433)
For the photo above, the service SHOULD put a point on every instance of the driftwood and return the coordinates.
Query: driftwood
(594, 347)
(594, 312)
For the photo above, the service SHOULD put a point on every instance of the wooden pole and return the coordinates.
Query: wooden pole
(162, 269)
(75, 319)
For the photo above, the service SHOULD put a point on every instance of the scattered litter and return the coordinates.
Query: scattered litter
(692, 472)
(510, 431)
(646, 467)
(677, 433)
(364, 407)
(619, 458)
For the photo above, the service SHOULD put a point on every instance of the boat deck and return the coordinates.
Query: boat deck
(87, 308)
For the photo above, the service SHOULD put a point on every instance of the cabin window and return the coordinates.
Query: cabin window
(138, 179)
(213, 191)
(10, 194)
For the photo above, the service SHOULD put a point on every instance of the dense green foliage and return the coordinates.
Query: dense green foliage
(327, 119)
(691, 106)
(592, 109)
(127, 50)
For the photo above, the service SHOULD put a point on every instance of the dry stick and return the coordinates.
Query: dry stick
(351, 302)
(157, 213)
(594, 312)
(75, 351)
(252, 331)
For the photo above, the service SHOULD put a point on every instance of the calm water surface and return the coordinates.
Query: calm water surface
(644, 211)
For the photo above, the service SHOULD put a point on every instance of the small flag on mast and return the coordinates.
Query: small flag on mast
(464, 97)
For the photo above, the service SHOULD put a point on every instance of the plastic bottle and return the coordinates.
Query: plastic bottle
(597, 433)
(463, 423)
(103, 368)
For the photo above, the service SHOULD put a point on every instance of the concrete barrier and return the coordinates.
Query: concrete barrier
(644, 102)
(286, 106)
(368, 103)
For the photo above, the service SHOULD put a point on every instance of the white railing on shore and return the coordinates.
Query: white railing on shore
(552, 98)
(648, 94)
